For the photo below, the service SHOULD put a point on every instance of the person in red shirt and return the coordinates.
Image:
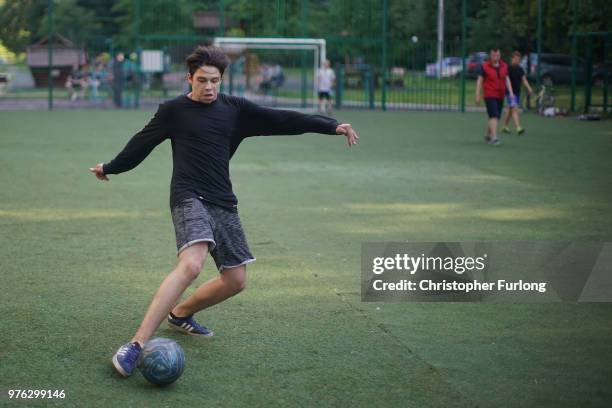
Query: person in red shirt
(493, 78)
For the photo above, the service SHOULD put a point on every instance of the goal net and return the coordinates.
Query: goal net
(273, 71)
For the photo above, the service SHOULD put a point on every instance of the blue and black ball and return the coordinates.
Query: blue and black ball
(162, 361)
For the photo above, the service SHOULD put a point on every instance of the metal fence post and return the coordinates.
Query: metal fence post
(539, 40)
(384, 54)
(139, 78)
(50, 55)
(463, 51)
(304, 32)
(136, 33)
(605, 72)
(339, 86)
(588, 73)
(221, 18)
(574, 59)
(231, 79)
(370, 87)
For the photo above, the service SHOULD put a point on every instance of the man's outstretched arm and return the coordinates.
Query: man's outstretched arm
(257, 120)
(137, 149)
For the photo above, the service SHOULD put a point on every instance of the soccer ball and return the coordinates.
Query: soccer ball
(162, 361)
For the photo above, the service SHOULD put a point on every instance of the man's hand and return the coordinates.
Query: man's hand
(99, 172)
(477, 100)
(347, 130)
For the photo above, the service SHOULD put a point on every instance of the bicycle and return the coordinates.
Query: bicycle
(545, 99)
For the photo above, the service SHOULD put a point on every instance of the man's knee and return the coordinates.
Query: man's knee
(239, 285)
(190, 268)
(191, 261)
(235, 278)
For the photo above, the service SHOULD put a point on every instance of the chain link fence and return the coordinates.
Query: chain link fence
(136, 57)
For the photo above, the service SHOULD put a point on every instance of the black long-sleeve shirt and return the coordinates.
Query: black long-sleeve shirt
(204, 138)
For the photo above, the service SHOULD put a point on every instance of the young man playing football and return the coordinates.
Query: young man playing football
(205, 128)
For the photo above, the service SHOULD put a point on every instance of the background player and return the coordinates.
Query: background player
(326, 79)
(517, 78)
(493, 78)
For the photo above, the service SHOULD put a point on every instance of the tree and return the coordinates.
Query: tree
(491, 28)
(106, 17)
(74, 22)
(157, 17)
(19, 23)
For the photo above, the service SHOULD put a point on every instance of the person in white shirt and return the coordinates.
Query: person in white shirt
(326, 80)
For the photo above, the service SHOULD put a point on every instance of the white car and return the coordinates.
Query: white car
(449, 67)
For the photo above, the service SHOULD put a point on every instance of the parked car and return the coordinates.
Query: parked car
(449, 67)
(554, 68)
(473, 63)
(557, 69)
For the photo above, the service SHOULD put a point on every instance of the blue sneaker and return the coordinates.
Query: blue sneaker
(126, 358)
(188, 325)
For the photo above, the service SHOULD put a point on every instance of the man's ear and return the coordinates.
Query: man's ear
(188, 77)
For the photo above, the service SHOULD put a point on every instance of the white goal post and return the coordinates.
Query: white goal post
(317, 45)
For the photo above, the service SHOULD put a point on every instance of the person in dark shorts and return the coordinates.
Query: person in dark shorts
(517, 78)
(326, 79)
(324, 95)
(493, 78)
(205, 128)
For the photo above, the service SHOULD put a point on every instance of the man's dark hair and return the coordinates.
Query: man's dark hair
(211, 56)
(495, 49)
(516, 54)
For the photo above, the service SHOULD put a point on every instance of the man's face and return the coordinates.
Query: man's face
(516, 60)
(495, 56)
(205, 84)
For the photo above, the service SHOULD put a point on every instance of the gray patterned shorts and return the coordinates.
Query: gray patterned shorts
(197, 221)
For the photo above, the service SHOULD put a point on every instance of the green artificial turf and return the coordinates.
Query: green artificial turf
(80, 260)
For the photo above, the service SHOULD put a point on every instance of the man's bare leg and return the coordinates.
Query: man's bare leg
(229, 283)
(493, 128)
(189, 265)
(515, 118)
(507, 116)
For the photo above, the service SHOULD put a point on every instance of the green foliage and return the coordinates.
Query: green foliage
(72, 21)
(19, 23)
(491, 28)
(106, 17)
(352, 27)
(155, 17)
